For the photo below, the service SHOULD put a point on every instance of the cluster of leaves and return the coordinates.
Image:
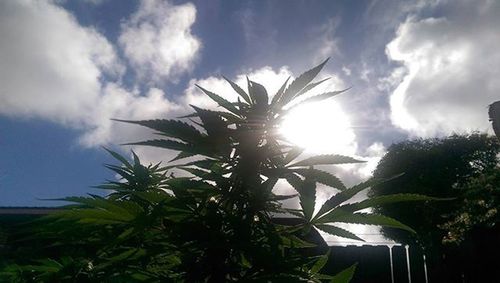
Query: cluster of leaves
(219, 225)
(434, 167)
(480, 202)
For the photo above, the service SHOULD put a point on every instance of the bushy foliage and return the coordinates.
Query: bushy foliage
(220, 224)
(479, 204)
(434, 167)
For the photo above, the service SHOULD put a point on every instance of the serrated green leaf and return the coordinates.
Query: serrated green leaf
(171, 128)
(345, 275)
(299, 83)
(345, 195)
(322, 177)
(310, 86)
(269, 184)
(294, 181)
(137, 162)
(279, 93)
(320, 263)
(337, 231)
(118, 157)
(203, 163)
(317, 98)
(326, 159)
(258, 93)
(296, 242)
(238, 90)
(292, 154)
(221, 101)
(213, 123)
(307, 196)
(364, 218)
(282, 197)
(182, 155)
(170, 144)
(227, 115)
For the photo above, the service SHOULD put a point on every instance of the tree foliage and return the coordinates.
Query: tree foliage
(434, 167)
(478, 207)
(219, 225)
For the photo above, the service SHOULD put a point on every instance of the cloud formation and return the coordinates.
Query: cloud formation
(56, 70)
(450, 69)
(73, 75)
(157, 40)
(51, 65)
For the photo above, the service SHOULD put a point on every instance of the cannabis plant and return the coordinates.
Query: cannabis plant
(221, 223)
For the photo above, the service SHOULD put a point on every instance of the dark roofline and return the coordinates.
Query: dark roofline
(27, 210)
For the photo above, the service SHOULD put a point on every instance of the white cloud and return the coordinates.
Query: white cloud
(270, 79)
(451, 67)
(157, 40)
(119, 103)
(52, 69)
(327, 42)
(51, 66)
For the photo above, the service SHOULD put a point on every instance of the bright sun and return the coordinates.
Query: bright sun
(320, 127)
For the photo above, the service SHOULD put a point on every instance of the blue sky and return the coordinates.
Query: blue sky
(417, 68)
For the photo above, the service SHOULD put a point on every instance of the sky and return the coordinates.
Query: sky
(416, 68)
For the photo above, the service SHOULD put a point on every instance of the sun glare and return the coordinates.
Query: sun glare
(320, 127)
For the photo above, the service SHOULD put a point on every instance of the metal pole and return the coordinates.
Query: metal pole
(392, 265)
(425, 269)
(408, 262)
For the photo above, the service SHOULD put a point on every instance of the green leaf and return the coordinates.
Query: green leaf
(244, 261)
(278, 94)
(282, 197)
(294, 181)
(120, 158)
(320, 263)
(318, 97)
(322, 177)
(213, 123)
(126, 254)
(228, 116)
(310, 86)
(197, 172)
(258, 94)
(326, 159)
(292, 154)
(203, 163)
(269, 184)
(337, 231)
(137, 163)
(189, 184)
(364, 218)
(307, 193)
(299, 83)
(238, 90)
(296, 242)
(182, 155)
(345, 275)
(221, 101)
(169, 144)
(307, 196)
(347, 194)
(171, 128)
